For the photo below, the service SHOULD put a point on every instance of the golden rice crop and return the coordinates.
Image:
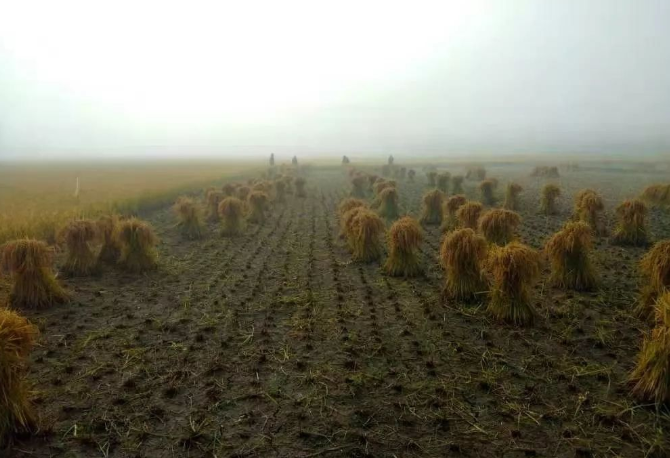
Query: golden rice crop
(138, 245)
(569, 252)
(404, 239)
(487, 190)
(347, 221)
(364, 236)
(213, 199)
(550, 192)
(588, 206)
(34, 284)
(651, 377)
(257, 202)
(108, 228)
(17, 339)
(512, 196)
(468, 214)
(388, 203)
(462, 254)
(655, 270)
(631, 227)
(242, 194)
(499, 225)
(382, 184)
(80, 257)
(190, 220)
(431, 210)
(451, 206)
(345, 206)
(514, 269)
(231, 213)
(657, 194)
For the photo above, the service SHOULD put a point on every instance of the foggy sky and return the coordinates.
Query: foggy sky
(414, 78)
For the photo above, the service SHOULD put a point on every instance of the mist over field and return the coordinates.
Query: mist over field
(433, 79)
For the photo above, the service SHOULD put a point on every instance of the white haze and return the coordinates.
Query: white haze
(143, 78)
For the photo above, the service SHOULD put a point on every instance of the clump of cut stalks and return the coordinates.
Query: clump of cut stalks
(487, 190)
(17, 339)
(457, 184)
(257, 201)
(475, 173)
(349, 203)
(588, 206)
(631, 228)
(358, 186)
(657, 194)
(382, 184)
(499, 225)
(213, 198)
(569, 252)
(80, 257)
(347, 220)
(404, 239)
(462, 254)
(34, 284)
(289, 181)
(346, 214)
(655, 270)
(545, 172)
(512, 196)
(138, 245)
(431, 210)
(443, 181)
(650, 379)
(432, 178)
(231, 214)
(372, 179)
(550, 192)
(514, 269)
(190, 221)
(228, 189)
(108, 228)
(262, 186)
(242, 194)
(468, 214)
(300, 183)
(364, 235)
(453, 203)
(388, 203)
(280, 191)
(411, 174)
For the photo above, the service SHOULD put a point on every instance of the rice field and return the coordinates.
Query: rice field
(38, 199)
(265, 313)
